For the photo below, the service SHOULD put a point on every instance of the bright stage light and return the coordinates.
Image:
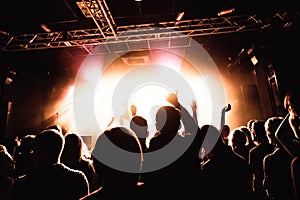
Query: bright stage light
(111, 90)
(149, 96)
(148, 99)
(145, 86)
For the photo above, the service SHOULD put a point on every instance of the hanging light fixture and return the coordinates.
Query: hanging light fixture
(226, 12)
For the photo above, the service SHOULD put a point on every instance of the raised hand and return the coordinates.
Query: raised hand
(227, 108)
(173, 99)
(133, 110)
(194, 110)
(194, 106)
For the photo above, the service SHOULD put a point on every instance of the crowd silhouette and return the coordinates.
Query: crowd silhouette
(259, 160)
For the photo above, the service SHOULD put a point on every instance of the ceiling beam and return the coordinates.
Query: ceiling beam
(101, 15)
(144, 32)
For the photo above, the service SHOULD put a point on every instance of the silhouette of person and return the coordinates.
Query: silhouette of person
(23, 155)
(225, 174)
(248, 133)
(277, 166)
(73, 157)
(50, 179)
(256, 157)
(183, 174)
(249, 126)
(7, 170)
(271, 125)
(225, 133)
(238, 143)
(116, 148)
(288, 134)
(140, 126)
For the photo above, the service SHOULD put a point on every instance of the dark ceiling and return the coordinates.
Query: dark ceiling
(27, 16)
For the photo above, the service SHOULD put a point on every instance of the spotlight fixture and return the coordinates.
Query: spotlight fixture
(12, 72)
(4, 33)
(179, 16)
(9, 78)
(45, 28)
(226, 12)
(8, 81)
(254, 60)
(68, 44)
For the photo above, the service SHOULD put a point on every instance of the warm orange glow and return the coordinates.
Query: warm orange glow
(110, 92)
(150, 95)
(168, 60)
(71, 91)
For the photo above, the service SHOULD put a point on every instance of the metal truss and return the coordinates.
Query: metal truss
(100, 13)
(140, 32)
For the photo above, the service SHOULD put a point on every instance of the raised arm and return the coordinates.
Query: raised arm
(194, 110)
(188, 121)
(190, 126)
(224, 110)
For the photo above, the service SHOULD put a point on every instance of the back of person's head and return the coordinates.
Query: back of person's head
(55, 127)
(118, 156)
(6, 163)
(168, 119)
(249, 123)
(238, 138)
(72, 151)
(271, 125)
(213, 143)
(292, 105)
(25, 146)
(292, 99)
(225, 133)
(258, 128)
(139, 125)
(246, 130)
(23, 155)
(47, 147)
